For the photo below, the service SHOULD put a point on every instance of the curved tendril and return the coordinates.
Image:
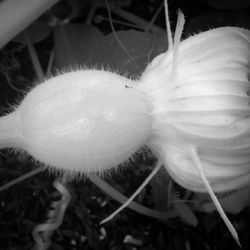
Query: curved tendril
(42, 232)
(146, 181)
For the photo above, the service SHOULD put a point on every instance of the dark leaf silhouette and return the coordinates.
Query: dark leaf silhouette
(125, 51)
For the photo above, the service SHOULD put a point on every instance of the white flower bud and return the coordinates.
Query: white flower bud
(204, 105)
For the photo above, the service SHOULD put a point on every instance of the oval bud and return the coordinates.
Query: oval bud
(83, 121)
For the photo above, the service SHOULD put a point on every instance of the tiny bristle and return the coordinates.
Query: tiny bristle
(18, 153)
(7, 109)
(96, 66)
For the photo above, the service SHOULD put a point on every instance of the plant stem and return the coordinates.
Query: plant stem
(16, 15)
(133, 205)
(34, 58)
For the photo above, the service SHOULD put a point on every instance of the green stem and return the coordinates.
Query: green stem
(21, 178)
(133, 205)
(16, 15)
(34, 58)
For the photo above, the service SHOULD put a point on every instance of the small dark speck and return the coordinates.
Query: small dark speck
(248, 92)
(128, 87)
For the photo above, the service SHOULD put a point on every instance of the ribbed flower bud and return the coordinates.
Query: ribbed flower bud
(203, 102)
(80, 121)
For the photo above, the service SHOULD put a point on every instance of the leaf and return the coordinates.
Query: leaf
(36, 32)
(159, 190)
(233, 203)
(186, 213)
(131, 52)
(81, 44)
(74, 44)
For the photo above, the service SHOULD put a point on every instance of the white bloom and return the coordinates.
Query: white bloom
(204, 105)
(199, 94)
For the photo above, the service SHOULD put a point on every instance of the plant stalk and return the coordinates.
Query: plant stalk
(16, 15)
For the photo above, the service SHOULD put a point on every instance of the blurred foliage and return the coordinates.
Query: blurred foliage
(77, 32)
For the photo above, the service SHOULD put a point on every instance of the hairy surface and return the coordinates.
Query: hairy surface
(80, 121)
